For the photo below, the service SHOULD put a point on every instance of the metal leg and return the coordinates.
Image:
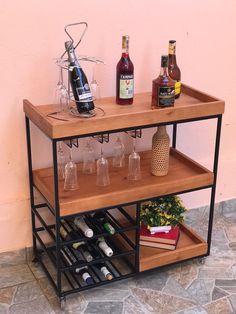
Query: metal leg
(137, 237)
(31, 186)
(213, 190)
(57, 215)
(174, 135)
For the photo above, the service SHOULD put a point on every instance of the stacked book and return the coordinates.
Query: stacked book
(163, 240)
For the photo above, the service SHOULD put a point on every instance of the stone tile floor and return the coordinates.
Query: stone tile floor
(187, 288)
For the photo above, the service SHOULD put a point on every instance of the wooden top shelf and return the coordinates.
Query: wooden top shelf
(184, 174)
(191, 104)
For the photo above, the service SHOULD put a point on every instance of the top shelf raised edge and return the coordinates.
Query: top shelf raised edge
(191, 104)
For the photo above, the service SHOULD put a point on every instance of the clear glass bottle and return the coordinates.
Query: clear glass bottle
(125, 76)
(163, 87)
(173, 69)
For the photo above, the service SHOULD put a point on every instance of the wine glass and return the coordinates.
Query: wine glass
(71, 180)
(134, 172)
(88, 158)
(119, 156)
(61, 94)
(94, 86)
(61, 162)
(103, 178)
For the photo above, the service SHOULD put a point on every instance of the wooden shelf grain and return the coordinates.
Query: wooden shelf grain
(191, 104)
(190, 245)
(184, 174)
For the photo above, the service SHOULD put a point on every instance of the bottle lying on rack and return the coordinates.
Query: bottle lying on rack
(79, 82)
(101, 219)
(67, 232)
(101, 243)
(103, 268)
(82, 225)
(70, 260)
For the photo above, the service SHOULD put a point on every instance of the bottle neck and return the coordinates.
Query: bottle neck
(125, 47)
(163, 71)
(172, 59)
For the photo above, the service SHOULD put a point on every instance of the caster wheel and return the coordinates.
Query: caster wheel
(202, 260)
(63, 303)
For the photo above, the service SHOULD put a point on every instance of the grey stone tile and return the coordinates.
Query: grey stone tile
(161, 303)
(219, 236)
(132, 306)
(201, 290)
(229, 209)
(104, 308)
(27, 292)
(13, 258)
(218, 293)
(217, 261)
(154, 280)
(4, 308)
(232, 300)
(220, 306)
(231, 233)
(75, 303)
(47, 288)
(6, 295)
(194, 310)
(226, 282)
(14, 275)
(37, 306)
(185, 273)
(174, 288)
(215, 272)
(101, 294)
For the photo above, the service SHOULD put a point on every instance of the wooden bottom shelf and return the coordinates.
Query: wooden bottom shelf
(189, 245)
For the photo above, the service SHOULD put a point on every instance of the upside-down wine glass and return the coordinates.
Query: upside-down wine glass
(71, 180)
(134, 172)
(89, 158)
(118, 159)
(103, 178)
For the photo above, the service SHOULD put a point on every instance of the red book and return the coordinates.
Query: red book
(170, 237)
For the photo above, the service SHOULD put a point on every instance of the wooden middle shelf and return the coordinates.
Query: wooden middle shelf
(184, 174)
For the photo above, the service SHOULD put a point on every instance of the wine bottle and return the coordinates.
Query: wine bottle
(81, 224)
(71, 260)
(68, 234)
(173, 69)
(163, 87)
(83, 272)
(107, 250)
(103, 268)
(79, 82)
(101, 219)
(125, 76)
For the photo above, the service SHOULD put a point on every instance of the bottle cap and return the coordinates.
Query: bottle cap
(164, 61)
(172, 41)
(68, 44)
(88, 233)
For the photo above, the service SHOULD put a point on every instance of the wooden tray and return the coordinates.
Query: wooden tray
(184, 174)
(190, 244)
(191, 104)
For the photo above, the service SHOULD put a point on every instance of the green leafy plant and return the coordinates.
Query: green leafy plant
(163, 211)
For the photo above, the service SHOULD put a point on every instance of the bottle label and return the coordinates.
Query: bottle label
(126, 86)
(177, 87)
(166, 95)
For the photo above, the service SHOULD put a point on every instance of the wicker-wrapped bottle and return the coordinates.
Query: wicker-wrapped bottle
(160, 152)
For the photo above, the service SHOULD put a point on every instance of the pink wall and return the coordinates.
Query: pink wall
(32, 36)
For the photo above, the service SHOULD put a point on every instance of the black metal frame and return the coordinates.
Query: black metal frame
(60, 268)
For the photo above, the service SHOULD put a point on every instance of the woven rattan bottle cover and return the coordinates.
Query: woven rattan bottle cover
(160, 152)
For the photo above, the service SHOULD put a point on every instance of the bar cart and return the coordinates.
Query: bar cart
(185, 175)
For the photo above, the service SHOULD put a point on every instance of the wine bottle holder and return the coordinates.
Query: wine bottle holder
(120, 265)
(65, 67)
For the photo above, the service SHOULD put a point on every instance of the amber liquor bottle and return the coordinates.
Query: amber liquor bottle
(173, 69)
(163, 87)
(125, 76)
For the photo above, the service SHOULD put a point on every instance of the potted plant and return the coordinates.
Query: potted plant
(164, 211)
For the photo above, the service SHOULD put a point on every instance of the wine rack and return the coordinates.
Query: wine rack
(122, 199)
